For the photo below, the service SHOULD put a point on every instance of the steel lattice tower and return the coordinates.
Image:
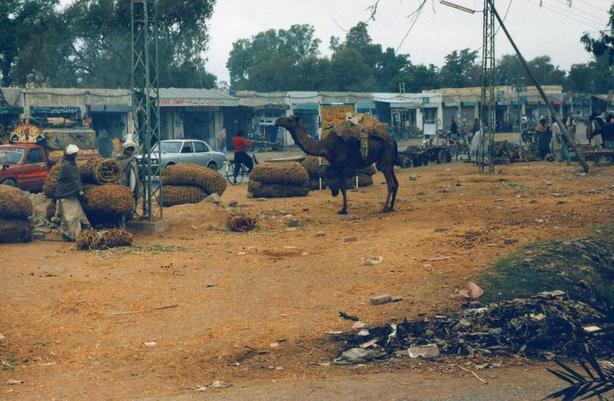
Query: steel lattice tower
(145, 98)
(488, 101)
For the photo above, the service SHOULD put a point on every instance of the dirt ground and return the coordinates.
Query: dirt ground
(253, 308)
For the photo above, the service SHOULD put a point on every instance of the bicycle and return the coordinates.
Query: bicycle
(243, 173)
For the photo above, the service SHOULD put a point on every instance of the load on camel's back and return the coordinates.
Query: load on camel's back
(349, 147)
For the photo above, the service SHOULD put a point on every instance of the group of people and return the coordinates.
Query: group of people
(550, 139)
(69, 193)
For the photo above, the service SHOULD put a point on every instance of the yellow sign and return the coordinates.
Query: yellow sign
(26, 132)
(333, 115)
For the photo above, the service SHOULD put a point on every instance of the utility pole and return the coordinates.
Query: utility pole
(488, 102)
(145, 99)
(553, 112)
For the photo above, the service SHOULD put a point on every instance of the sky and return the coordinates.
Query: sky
(553, 29)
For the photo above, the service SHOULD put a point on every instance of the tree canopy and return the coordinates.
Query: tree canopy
(87, 43)
(356, 63)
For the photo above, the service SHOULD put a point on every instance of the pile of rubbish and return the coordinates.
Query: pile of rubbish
(278, 180)
(507, 152)
(190, 183)
(544, 326)
(15, 212)
(241, 223)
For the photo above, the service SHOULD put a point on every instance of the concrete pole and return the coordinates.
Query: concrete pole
(577, 151)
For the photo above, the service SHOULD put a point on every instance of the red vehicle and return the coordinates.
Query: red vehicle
(24, 165)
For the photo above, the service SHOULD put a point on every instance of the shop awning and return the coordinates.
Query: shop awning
(109, 108)
(306, 107)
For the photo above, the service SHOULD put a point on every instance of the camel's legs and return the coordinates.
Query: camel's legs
(344, 208)
(393, 186)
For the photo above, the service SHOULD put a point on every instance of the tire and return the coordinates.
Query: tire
(230, 173)
(9, 182)
(212, 165)
(406, 162)
(442, 157)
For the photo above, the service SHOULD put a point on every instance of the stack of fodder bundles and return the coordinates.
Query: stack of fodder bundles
(100, 172)
(93, 171)
(15, 211)
(107, 204)
(180, 195)
(90, 240)
(364, 178)
(315, 166)
(190, 183)
(278, 180)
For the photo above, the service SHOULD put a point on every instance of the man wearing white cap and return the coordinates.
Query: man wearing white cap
(128, 163)
(68, 194)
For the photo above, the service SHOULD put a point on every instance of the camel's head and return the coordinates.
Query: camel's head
(288, 122)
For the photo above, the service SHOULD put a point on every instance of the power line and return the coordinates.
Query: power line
(561, 14)
(594, 6)
(416, 15)
(583, 13)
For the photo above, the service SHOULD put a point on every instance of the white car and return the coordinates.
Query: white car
(175, 151)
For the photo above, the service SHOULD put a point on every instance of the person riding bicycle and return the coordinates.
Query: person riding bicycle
(240, 144)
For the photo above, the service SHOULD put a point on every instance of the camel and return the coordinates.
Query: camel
(344, 156)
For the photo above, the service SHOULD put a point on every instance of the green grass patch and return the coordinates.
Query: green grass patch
(583, 268)
(518, 186)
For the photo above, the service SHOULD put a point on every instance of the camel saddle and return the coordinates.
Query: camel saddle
(361, 129)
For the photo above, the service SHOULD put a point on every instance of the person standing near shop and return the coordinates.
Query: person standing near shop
(544, 137)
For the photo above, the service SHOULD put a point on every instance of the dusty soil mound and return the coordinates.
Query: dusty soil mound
(584, 268)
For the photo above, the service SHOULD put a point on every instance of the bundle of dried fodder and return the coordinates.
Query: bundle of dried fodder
(363, 178)
(315, 167)
(278, 180)
(93, 171)
(241, 222)
(180, 195)
(100, 171)
(90, 240)
(107, 204)
(190, 183)
(15, 210)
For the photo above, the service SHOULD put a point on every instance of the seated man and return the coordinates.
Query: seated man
(240, 144)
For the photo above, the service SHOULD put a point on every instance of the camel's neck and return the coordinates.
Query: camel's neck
(306, 143)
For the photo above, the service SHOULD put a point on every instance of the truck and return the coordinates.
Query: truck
(24, 165)
(56, 138)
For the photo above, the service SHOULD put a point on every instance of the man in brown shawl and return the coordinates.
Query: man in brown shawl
(69, 194)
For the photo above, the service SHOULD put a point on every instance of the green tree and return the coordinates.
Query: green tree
(460, 69)
(34, 43)
(101, 53)
(349, 72)
(602, 45)
(258, 62)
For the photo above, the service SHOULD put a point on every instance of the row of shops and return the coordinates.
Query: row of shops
(215, 116)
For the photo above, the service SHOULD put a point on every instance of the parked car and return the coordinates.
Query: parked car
(177, 151)
(24, 165)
